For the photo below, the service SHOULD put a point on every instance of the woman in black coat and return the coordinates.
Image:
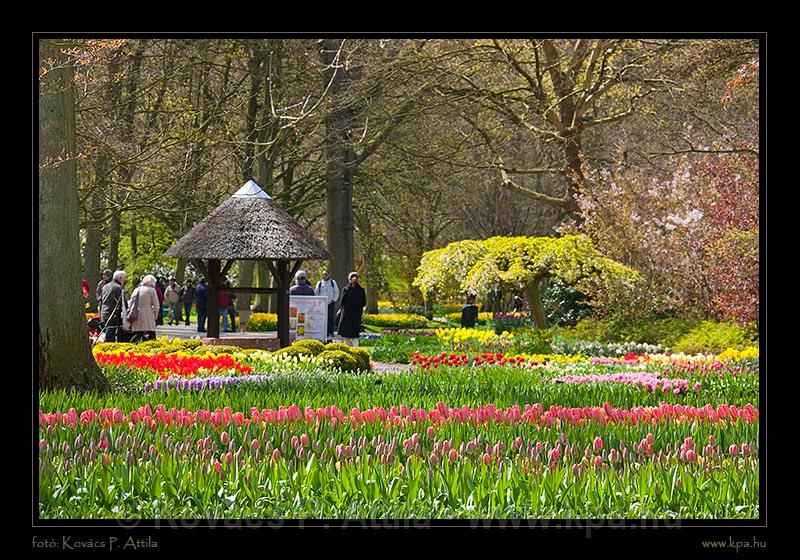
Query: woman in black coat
(354, 299)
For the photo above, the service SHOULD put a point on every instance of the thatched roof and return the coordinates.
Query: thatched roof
(249, 225)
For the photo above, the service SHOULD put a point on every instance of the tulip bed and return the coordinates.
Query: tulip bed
(563, 438)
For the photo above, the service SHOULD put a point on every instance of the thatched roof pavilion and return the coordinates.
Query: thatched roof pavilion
(248, 226)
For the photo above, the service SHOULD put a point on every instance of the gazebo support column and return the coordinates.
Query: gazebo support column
(214, 281)
(283, 302)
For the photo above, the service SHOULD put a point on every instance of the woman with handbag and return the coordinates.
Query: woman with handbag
(143, 310)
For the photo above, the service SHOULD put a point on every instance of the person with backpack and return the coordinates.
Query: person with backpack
(327, 287)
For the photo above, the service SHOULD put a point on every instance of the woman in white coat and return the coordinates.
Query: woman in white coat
(144, 301)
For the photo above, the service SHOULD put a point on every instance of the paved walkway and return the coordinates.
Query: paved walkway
(386, 367)
(184, 332)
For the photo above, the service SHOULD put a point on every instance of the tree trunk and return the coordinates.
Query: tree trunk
(429, 301)
(264, 303)
(245, 281)
(65, 360)
(134, 239)
(534, 297)
(340, 165)
(113, 240)
(91, 253)
(180, 271)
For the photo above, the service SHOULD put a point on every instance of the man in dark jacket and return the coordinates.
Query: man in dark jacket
(202, 304)
(302, 287)
(469, 313)
(112, 301)
(105, 278)
(354, 298)
(187, 298)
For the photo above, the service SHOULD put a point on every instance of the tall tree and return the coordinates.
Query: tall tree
(65, 360)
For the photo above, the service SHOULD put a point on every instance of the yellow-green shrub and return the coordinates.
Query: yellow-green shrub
(339, 359)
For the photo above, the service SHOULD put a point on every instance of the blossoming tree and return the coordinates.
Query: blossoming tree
(522, 263)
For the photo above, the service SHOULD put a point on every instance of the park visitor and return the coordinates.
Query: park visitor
(327, 287)
(469, 313)
(187, 298)
(201, 294)
(354, 299)
(143, 310)
(111, 304)
(301, 287)
(173, 297)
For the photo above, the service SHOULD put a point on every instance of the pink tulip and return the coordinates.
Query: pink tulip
(553, 455)
(43, 445)
(691, 456)
(712, 440)
(295, 441)
(434, 458)
(697, 386)
(106, 459)
(709, 450)
(453, 455)
(254, 444)
(688, 443)
(229, 457)
(613, 455)
(487, 458)
(304, 440)
(598, 443)
(576, 470)
(598, 462)
(276, 454)
(518, 442)
(224, 438)
(734, 449)
(431, 432)
(745, 449)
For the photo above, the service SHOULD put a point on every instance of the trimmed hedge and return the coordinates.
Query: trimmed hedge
(340, 359)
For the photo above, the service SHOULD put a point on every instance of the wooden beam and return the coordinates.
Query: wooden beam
(275, 275)
(240, 290)
(295, 268)
(214, 280)
(283, 303)
(227, 266)
(201, 266)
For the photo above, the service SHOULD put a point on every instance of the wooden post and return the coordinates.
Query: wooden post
(214, 281)
(283, 302)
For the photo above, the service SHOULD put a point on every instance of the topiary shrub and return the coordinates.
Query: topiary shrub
(309, 347)
(339, 359)
(362, 358)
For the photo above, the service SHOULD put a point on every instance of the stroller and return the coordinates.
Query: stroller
(95, 327)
